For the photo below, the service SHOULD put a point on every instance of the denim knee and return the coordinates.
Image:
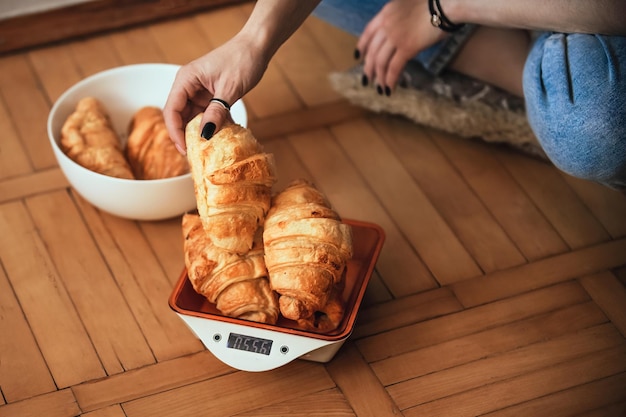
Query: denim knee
(575, 92)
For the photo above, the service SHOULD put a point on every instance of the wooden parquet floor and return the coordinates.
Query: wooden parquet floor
(500, 290)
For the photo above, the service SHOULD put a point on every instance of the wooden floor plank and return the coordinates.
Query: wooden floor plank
(405, 311)
(451, 381)
(56, 69)
(471, 221)
(337, 44)
(58, 404)
(136, 46)
(595, 399)
(93, 55)
(435, 359)
(612, 410)
(453, 326)
(526, 387)
(13, 157)
(148, 380)
(320, 404)
(23, 371)
(112, 411)
(61, 337)
(101, 305)
(28, 185)
(405, 201)
(305, 65)
(607, 205)
(620, 273)
(181, 40)
(146, 288)
(401, 268)
(510, 205)
(359, 385)
(556, 200)
(610, 296)
(539, 274)
(166, 240)
(28, 108)
(303, 120)
(219, 26)
(294, 380)
(289, 167)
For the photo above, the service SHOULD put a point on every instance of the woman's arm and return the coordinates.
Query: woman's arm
(606, 17)
(272, 22)
(231, 70)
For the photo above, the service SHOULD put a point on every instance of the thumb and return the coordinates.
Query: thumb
(215, 116)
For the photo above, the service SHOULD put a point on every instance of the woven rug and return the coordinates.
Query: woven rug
(450, 102)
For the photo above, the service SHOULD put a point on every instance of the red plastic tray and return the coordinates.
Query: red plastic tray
(368, 239)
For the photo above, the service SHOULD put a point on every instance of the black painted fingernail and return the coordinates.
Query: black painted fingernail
(357, 54)
(387, 91)
(208, 130)
(379, 89)
(364, 80)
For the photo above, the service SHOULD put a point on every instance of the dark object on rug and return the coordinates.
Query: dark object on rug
(450, 102)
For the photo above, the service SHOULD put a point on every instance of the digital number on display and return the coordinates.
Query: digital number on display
(249, 343)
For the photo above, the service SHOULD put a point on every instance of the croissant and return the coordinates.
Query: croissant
(306, 251)
(88, 138)
(149, 150)
(236, 284)
(233, 179)
(329, 317)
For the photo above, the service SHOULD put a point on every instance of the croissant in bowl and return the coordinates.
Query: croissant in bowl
(88, 138)
(149, 149)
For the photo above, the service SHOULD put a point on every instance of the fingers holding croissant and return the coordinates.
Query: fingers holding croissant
(232, 182)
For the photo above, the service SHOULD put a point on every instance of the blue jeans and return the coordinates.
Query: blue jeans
(574, 89)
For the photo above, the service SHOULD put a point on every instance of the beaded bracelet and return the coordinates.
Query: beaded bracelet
(439, 20)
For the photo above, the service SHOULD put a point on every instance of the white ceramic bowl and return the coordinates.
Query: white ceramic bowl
(123, 91)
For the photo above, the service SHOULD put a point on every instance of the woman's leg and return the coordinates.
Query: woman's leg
(575, 92)
(495, 56)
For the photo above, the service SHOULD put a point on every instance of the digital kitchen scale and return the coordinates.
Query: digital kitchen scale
(251, 346)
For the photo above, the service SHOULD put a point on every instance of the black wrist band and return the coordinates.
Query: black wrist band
(439, 20)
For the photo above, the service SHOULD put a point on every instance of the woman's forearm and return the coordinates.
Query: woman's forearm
(585, 16)
(272, 22)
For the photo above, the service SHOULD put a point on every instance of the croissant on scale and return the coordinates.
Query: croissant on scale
(306, 251)
(236, 284)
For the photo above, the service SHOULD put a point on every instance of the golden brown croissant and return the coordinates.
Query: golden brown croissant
(233, 179)
(306, 251)
(329, 317)
(236, 284)
(88, 138)
(149, 150)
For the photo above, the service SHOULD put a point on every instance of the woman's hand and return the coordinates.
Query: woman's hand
(394, 36)
(227, 73)
(233, 69)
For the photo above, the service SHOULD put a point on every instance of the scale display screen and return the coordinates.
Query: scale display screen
(249, 343)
